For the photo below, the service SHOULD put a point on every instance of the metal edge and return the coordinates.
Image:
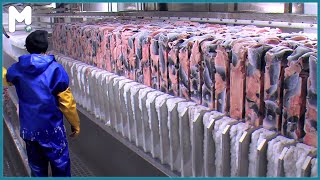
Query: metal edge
(261, 19)
(226, 151)
(306, 167)
(211, 126)
(280, 168)
(244, 144)
(262, 159)
(184, 120)
(22, 153)
(197, 124)
(141, 14)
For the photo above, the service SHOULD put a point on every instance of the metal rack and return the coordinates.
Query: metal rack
(258, 19)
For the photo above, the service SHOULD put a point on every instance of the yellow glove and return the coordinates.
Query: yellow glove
(68, 107)
(4, 78)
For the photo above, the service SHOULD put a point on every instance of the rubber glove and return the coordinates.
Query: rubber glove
(4, 78)
(68, 107)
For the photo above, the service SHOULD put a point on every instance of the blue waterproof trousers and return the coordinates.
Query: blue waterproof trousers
(40, 154)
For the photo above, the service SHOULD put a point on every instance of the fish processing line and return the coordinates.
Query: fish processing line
(169, 93)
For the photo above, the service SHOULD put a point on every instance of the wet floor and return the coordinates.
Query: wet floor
(13, 166)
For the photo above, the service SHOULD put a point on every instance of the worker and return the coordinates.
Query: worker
(42, 86)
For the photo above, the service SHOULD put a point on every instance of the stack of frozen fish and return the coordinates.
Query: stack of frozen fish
(259, 75)
(191, 139)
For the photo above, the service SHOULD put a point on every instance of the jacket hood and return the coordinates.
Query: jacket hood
(35, 63)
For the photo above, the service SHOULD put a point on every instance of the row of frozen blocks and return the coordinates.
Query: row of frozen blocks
(191, 139)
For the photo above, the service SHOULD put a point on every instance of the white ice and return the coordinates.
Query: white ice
(257, 137)
(219, 126)
(275, 147)
(236, 132)
(294, 159)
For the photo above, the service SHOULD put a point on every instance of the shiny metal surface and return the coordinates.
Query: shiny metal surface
(261, 7)
(191, 7)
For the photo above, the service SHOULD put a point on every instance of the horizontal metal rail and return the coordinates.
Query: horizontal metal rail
(260, 19)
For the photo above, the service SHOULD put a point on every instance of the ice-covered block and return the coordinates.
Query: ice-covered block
(73, 75)
(137, 116)
(185, 140)
(226, 149)
(74, 82)
(209, 119)
(78, 83)
(104, 95)
(128, 109)
(84, 82)
(123, 113)
(69, 71)
(81, 87)
(275, 148)
(90, 87)
(162, 112)
(63, 62)
(146, 131)
(116, 100)
(153, 123)
(295, 158)
(257, 151)
(197, 137)
(217, 133)
(93, 90)
(236, 133)
(174, 137)
(68, 67)
(85, 73)
(98, 95)
(75, 87)
(111, 100)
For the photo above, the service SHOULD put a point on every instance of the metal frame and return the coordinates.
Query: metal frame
(18, 142)
(259, 19)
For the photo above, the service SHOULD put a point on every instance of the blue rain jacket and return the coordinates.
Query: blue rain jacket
(38, 79)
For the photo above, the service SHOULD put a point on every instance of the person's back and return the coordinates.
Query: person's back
(42, 86)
